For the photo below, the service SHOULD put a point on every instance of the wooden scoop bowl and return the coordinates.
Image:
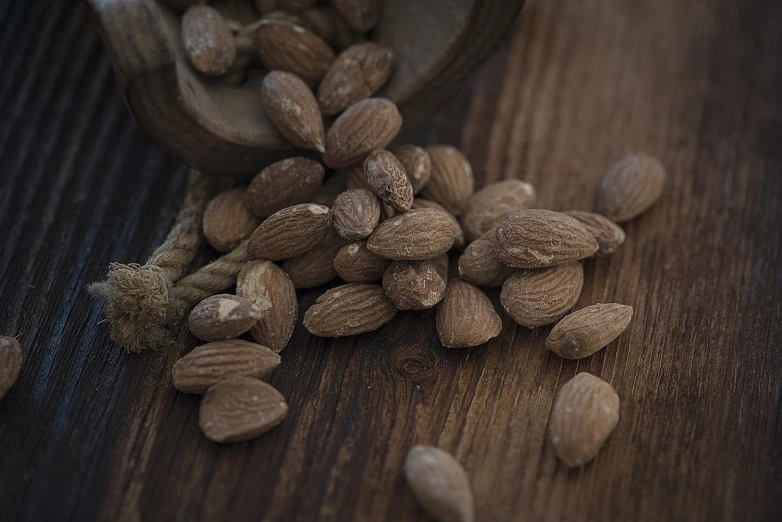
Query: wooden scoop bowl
(219, 129)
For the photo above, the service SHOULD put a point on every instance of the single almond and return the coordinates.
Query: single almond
(584, 414)
(207, 40)
(10, 363)
(356, 214)
(283, 184)
(290, 232)
(214, 362)
(222, 316)
(361, 15)
(388, 180)
(466, 317)
(357, 73)
(451, 182)
(459, 241)
(292, 108)
(493, 203)
(413, 285)
(417, 165)
(588, 330)
(440, 263)
(227, 221)
(349, 309)
(316, 266)
(270, 288)
(367, 125)
(609, 235)
(479, 264)
(630, 187)
(542, 296)
(283, 46)
(240, 408)
(540, 238)
(417, 235)
(355, 264)
(440, 484)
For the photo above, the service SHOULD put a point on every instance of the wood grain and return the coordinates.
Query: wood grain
(91, 433)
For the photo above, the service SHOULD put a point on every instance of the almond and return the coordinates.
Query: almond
(207, 39)
(417, 165)
(466, 317)
(440, 484)
(609, 235)
(361, 15)
(542, 296)
(292, 108)
(451, 182)
(458, 234)
(326, 23)
(227, 221)
(417, 235)
(284, 46)
(212, 363)
(367, 125)
(539, 238)
(10, 363)
(355, 264)
(316, 266)
(357, 73)
(588, 330)
(413, 285)
(630, 187)
(349, 309)
(270, 288)
(584, 414)
(283, 184)
(493, 203)
(240, 408)
(479, 264)
(356, 214)
(387, 178)
(290, 232)
(440, 263)
(222, 316)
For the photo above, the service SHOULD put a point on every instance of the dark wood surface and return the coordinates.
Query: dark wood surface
(91, 432)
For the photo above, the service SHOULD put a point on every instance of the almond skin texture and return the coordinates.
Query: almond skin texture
(489, 206)
(361, 15)
(316, 266)
(451, 182)
(417, 165)
(349, 309)
(479, 264)
(284, 46)
(630, 187)
(356, 214)
(367, 125)
(588, 330)
(413, 285)
(222, 316)
(291, 106)
(10, 363)
(388, 180)
(290, 232)
(466, 317)
(584, 414)
(440, 484)
(227, 221)
(355, 264)
(212, 363)
(356, 74)
(609, 235)
(207, 39)
(270, 288)
(283, 184)
(539, 238)
(458, 234)
(240, 408)
(542, 296)
(417, 235)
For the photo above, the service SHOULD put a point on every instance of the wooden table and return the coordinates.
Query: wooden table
(91, 432)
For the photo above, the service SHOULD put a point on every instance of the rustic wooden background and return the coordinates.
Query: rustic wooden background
(90, 432)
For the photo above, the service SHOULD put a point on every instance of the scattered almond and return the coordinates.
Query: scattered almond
(214, 362)
(539, 238)
(440, 484)
(609, 235)
(10, 363)
(588, 330)
(417, 165)
(290, 232)
(451, 182)
(207, 39)
(367, 125)
(357, 73)
(489, 206)
(413, 285)
(316, 266)
(227, 221)
(283, 46)
(417, 235)
(355, 264)
(240, 408)
(283, 184)
(222, 316)
(356, 214)
(630, 187)
(388, 180)
(479, 264)
(292, 108)
(349, 309)
(361, 15)
(458, 234)
(466, 317)
(542, 296)
(584, 414)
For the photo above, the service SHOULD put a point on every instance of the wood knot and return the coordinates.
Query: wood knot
(414, 363)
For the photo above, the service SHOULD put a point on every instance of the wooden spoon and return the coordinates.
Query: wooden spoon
(220, 129)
